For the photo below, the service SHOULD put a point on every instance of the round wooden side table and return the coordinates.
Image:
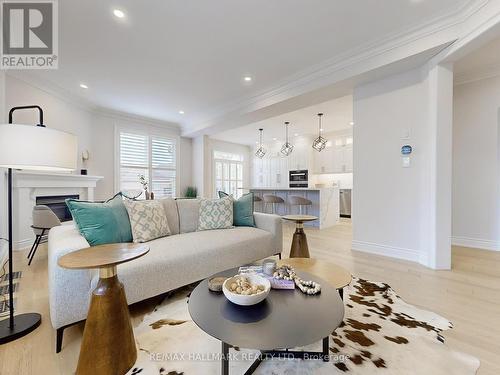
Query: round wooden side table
(108, 345)
(299, 247)
(337, 276)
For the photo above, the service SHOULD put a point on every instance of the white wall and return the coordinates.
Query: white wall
(185, 165)
(198, 166)
(395, 208)
(476, 206)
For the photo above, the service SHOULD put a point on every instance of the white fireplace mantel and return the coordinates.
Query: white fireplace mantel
(28, 179)
(28, 185)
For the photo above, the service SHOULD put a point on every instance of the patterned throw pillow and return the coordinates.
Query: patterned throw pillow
(147, 219)
(216, 214)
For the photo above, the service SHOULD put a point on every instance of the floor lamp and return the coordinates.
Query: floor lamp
(32, 148)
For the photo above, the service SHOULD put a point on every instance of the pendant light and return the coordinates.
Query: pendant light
(287, 148)
(261, 151)
(319, 143)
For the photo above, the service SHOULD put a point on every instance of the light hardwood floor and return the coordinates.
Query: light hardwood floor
(469, 296)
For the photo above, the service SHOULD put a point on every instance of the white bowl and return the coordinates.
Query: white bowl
(247, 300)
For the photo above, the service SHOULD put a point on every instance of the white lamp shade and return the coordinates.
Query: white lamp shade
(37, 148)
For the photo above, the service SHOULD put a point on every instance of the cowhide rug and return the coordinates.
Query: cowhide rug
(381, 334)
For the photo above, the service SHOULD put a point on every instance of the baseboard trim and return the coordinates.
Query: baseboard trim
(23, 244)
(388, 251)
(476, 243)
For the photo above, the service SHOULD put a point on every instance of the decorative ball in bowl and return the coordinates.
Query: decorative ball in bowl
(246, 290)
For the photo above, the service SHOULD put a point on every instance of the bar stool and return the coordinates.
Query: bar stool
(256, 200)
(296, 200)
(273, 200)
(44, 219)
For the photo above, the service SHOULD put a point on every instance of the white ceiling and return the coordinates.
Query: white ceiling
(191, 55)
(303, 122)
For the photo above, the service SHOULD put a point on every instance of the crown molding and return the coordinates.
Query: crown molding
(51, 89)
(444, 28)
(129, 117)
(82, 103)
(474, 75)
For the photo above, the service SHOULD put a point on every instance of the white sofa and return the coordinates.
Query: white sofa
(180, 259)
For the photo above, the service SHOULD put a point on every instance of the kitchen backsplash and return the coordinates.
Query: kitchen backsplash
(344, 180)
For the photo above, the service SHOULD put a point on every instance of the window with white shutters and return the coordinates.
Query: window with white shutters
(228, 176)
(152, 156)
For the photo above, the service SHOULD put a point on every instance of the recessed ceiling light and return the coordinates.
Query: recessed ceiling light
(181, 112)
(247, 79)
(321, 129)
(118, 13)
(83, 86)
(275, 139)
(351, 123)
(296, 134)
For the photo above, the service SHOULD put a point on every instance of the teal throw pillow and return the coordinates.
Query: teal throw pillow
(101, 223)
(242, 210)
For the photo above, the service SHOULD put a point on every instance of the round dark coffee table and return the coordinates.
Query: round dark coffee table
(285, 319)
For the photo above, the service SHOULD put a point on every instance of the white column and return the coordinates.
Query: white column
(440, 89)
(201, 164)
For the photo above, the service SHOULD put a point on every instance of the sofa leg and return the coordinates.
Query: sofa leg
(59, 339)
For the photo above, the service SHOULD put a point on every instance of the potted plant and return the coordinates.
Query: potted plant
(191, 192)
(144, 183)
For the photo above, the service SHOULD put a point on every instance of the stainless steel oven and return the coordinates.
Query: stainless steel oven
(299, 179)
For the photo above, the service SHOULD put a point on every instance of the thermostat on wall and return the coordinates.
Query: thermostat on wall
(406, 150)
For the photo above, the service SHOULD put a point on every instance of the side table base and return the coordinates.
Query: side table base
(299, 248)
(108, 345)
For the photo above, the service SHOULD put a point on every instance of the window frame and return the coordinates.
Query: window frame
(239, 192)
(149, 131)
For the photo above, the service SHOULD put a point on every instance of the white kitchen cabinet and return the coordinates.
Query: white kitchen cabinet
(300, 157)
(278, 171)
(347, 155)
(272, 170)
(335, 158)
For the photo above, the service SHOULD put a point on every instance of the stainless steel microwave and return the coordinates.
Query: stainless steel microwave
(299, 178)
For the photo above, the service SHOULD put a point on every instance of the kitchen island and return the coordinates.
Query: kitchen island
(325, 203)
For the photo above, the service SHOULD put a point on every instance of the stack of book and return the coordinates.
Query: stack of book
(275, 283)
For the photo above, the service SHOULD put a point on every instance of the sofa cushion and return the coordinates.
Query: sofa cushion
(189, 212)
(101, 223)
(170, 207)
(198, 255)
(147, 219)
(216, 214)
